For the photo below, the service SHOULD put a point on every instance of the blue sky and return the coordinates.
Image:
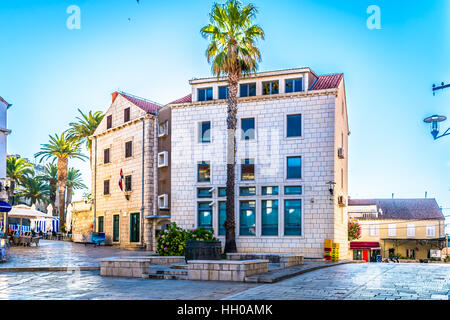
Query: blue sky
(154, 48)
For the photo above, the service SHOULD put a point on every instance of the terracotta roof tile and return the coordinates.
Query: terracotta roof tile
(403, 208)
(185, 99)
(144, 104)
(330, 81)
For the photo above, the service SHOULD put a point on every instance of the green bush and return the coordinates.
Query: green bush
(172, 241)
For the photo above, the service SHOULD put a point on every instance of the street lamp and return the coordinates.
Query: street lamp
(434, 126)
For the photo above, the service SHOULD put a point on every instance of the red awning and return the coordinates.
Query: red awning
(364, 245)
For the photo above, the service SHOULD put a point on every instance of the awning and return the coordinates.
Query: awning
(357, 245)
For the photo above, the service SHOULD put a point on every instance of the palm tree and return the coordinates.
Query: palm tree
(50, 176)
(232, 52)
(74, 182)
(85, 127)
(61, 148)
(34, 189)
(16, 170)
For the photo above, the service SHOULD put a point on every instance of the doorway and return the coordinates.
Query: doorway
(134, 227)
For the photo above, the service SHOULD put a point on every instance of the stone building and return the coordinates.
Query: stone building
(125, 151)
(291, 163)
(409, 228)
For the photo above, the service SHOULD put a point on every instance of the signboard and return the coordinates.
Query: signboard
(435, 254)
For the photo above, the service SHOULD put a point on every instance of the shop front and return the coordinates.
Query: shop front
(367, 251)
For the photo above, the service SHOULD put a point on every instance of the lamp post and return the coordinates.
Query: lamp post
(436, 119)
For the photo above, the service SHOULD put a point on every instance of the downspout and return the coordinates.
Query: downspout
(155, 177)
(95, 185)
(142, 191)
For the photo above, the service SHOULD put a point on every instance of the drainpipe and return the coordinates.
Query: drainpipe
(95, 186)
(143, 179)
(155, 177)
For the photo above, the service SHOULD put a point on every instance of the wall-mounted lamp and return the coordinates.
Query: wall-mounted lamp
(127, 196)
(331, 185)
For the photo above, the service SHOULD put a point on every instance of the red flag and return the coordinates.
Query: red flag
(121, 180)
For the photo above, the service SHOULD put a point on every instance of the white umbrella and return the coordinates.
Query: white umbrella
(69, 217)
(26, 212)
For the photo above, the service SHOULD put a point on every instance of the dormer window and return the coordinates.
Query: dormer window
(248, 90)
(223, 92)
(270, 87)
(205, 94)
(294, 85)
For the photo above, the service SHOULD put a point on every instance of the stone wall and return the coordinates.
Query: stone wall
(82, 220)
(225, 270)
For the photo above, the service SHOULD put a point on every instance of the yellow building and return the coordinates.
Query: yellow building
(404, 228)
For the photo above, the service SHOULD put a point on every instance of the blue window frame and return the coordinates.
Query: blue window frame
(269, 218)
(204, 132)
(222, 217)
(247, 191)
(292, 217)
(204, 193)
(269, 191)
(223, 92)
(248, 169)
(205, 94)
(222, 192)
(204, 172)
(247, 223)
(293, 85)
(248, 128)
(205, 215)
(294, 167)
(294, 125)
(270, 87)
(248, 90)
(293, 190)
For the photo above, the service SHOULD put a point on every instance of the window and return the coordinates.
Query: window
(128, 183)
(128, 149)
(163, 159)
(116, 226)
(204, 132)
(248, 90)
(248, 129)
(222, 192)
(163, 201)
(294, 167)
(270, 87)
(294, 125)
(204, 172)
(106, 156)
(293, 190)
(248, 169)
(392, 230)
(163, 129)
(269, 218)
(106, 187)
(222, 217)
(247, 191)
(373, 230)
(247, 226)
(269, 191)
(292, 217)
(223, 92)
(126, 115)
(205, 94)
(294, 85)
(430, 231)
(411, 230)
(109, 122)
(204, 215)
(204, 193)
(100, 224)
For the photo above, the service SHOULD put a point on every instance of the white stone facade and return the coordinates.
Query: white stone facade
(321, 216)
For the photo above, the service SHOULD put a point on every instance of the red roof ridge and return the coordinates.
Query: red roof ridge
(143, 103)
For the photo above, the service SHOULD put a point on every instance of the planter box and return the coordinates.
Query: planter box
(203, 250)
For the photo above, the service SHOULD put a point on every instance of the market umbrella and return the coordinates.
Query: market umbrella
(69, 217)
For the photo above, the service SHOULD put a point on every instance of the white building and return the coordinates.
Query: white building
(292, 135)
(4, 132)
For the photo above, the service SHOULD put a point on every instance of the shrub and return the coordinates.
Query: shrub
(354, 229)
(172, 241)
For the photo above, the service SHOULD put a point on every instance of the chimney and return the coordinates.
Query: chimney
(114, 96)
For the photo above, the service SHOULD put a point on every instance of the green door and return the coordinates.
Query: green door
(100, 224)
(134, 227)
(116, 228)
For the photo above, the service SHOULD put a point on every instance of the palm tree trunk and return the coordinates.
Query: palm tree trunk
(53, 196)
(11, 191)
(62, 180)
(230, 224)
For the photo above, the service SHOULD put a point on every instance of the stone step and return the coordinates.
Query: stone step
(166, 276)
(179, 266)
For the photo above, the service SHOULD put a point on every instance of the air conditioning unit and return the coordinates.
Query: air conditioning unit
(342, 201)
(163, 159)
(163, 201)
(341, 153)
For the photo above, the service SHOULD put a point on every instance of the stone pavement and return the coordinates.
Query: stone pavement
(361, 281)
(62, 254)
